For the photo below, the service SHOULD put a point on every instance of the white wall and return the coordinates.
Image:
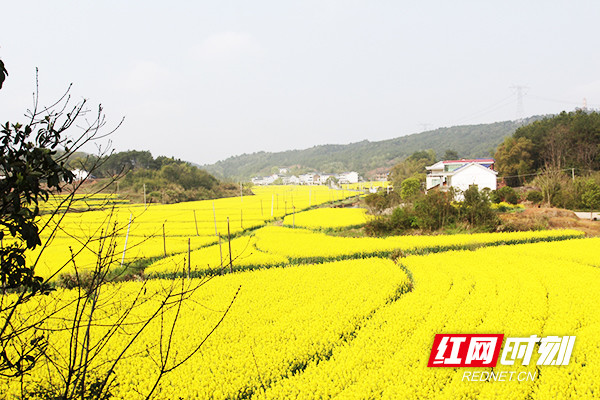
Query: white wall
(474, 175)
(349, 177)
(432, 181)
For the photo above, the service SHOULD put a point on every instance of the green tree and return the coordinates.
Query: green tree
(451, 155)
(550, 183)
(434, 210)
(514, 159)
(411, 167)
(3, 73)
(332, 182)
(566, 140)
(476, 208)
(410, 188)
(591, 196)
(33, 165)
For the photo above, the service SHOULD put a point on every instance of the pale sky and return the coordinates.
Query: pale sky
(205, 80)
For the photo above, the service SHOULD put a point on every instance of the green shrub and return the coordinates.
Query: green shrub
(403, 218)
(506, 194)
(535, 196)
(378, 226)
(377, 202)
(434, 210)
(476, 209)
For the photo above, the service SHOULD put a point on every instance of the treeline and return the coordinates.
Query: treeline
(164, 179)
(558, 157)
(365, 157)
(567, 141)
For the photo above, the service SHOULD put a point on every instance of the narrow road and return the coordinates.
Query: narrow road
(586, 215)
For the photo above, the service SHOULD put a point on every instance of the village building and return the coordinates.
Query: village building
(348, 177)
(291, 180)
(265, 180)
(461, 174)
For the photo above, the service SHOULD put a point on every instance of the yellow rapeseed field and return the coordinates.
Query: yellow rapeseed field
(157, 229)
(327, 218)
(353, 326)
(543, 289)
(282, 319)
(302, 243)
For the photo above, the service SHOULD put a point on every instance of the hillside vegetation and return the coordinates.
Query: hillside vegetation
(162, 179)
(366, 157)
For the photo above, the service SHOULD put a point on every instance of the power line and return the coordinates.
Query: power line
(546, 172)
(496, 106)
(585, 103)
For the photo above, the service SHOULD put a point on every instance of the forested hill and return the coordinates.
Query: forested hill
(365, 157)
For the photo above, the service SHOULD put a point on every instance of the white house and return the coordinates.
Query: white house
(461, 174)
(265, 180)
(307, 179)
(348, 177)
(323, 178)
(80, 174)
(291, 180)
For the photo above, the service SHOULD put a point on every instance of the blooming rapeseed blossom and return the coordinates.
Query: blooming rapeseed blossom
(360, 327)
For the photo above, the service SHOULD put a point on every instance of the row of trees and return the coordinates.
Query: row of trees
(117, 163)
(567, 141)
(163, 179)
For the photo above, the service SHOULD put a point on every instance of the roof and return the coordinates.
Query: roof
(464, 167)
(470, 160)
(480, 161)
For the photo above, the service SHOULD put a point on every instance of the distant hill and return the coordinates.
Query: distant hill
(365, 157)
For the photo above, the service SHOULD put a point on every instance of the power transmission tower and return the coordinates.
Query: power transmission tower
(520, 90)
(425, 126)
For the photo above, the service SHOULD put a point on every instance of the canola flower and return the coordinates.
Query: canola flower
(504, 206)
(273, 246)
(351, 329)
(301, 244)
(327, 218)
(215, 259)
(80, 234)
(57, 258)
(542, 289)
(81, 202)
(259, 342)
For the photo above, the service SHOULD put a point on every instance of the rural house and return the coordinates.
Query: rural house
(461, 174)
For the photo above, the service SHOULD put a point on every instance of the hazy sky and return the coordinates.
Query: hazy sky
(205, 80)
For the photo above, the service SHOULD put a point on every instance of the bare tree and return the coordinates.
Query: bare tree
(556, 147)
(33, 166)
